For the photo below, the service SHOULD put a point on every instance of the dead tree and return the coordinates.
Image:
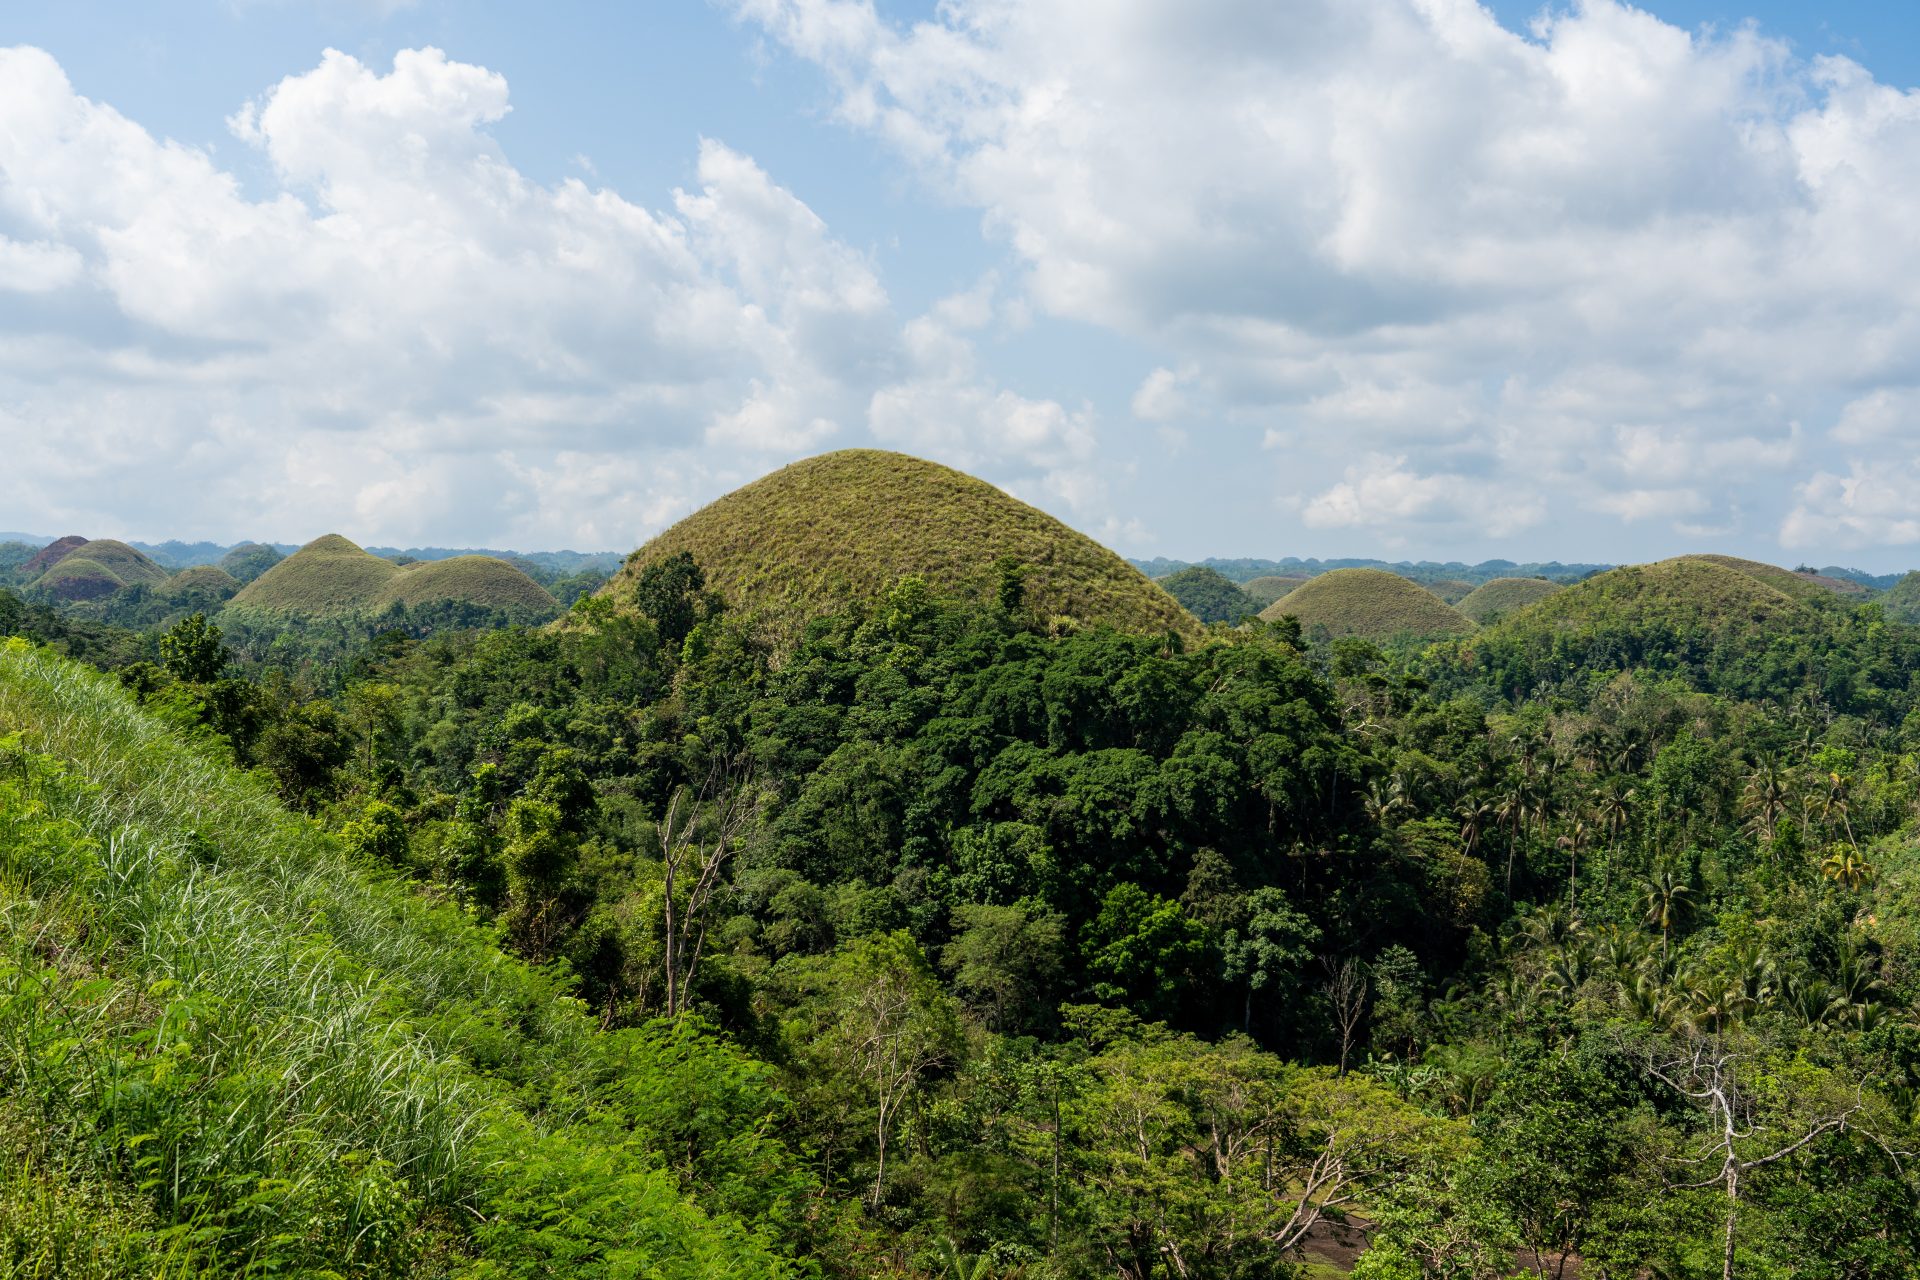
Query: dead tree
(699, 835)
(1706, 1073)
(1346, 990)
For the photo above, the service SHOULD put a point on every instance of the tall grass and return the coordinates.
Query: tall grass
(295, 1063)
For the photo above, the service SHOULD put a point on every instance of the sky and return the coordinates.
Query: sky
(1403, 278)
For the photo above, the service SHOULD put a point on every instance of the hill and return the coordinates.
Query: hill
(1371, 603)
(1207, 595)
(98, 568)
(336, 1076)
(204, 586)
(1504, 595)
(50, 555)
(843, 527)
(1902, 600)
(1795, 582)
(328, 576)
(480, 580)
(249, 560)
(1715, 625)
(1263, 591)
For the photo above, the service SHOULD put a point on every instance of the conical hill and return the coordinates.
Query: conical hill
(813, 537)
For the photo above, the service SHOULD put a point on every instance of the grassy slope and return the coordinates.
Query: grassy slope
(844, 526)
(203, 580)
(1800, 585)
(1504, 595)
(208, 1017)
(1689, 591)
(78, 578)
(50, 555)
(329, 575)
(482, 580)
(1368, 602)
(1266, 590)
(1902, 599)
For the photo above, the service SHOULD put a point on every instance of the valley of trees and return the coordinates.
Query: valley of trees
(948, 940)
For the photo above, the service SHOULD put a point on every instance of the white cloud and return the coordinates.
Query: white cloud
(1608, 260)
(409, 339)
(1867, 507)
(1383, 492)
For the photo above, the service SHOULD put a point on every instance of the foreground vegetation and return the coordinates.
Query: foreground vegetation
(939, 939)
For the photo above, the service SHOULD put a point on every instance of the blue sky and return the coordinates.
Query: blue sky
(1329, 277)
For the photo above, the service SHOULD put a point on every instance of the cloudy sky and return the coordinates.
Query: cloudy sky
(1415, 278)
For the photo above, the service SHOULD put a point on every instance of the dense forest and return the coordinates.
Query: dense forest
(949, 940)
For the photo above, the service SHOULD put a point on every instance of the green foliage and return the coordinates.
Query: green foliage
(841, 528)
(1264, 590)
(1207, 595)
(191, 650)
(249, 560)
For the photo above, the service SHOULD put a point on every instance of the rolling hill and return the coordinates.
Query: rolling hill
(50, 555)
(98, 568)
(249, 560)
(820, 534)
(1792, 581)
(1902, 600)
(333, 577)
(1370, 603)
(328, 576)
(204, 585)
(1207, 595)
(1504, 595)
(1265, 590)
(480, 580)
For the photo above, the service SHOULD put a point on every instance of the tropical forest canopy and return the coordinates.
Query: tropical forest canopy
(945, 933)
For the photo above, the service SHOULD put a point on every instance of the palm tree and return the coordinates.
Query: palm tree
(1572, 842)
(1474, 817)
(1846, 866)
(1666, 897)
(1613, 809)
(1764, 798)
(1834, 801)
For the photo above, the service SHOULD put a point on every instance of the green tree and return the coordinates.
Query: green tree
(191, 650)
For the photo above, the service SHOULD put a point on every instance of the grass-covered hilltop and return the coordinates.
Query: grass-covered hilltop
(332, 577)
(818, 535)
(1503, 595)
(905, 930)
(1370, 603)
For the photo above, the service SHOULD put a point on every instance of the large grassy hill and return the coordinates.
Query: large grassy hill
(1792, 581)
(50, 555)
(482, 580)
(98, 568)
(1263, 591)
(1718, 625)
(227, 1048)
(328, 576)
(1367, 602)
(843, 527)
(1504, 595)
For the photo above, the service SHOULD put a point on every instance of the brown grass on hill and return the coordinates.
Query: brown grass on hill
(50, 555)
(1504, 595)
(1371, 603)
(815, 536)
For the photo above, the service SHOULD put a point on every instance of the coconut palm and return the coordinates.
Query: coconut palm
(1765, 797)
(1666, 897)
(1846, 866)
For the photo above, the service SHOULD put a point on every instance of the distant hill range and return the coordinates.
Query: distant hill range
(1451, 571)
(174, 554)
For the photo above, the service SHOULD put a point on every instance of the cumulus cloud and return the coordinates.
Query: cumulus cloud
(1581, 254)
(407, 338)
